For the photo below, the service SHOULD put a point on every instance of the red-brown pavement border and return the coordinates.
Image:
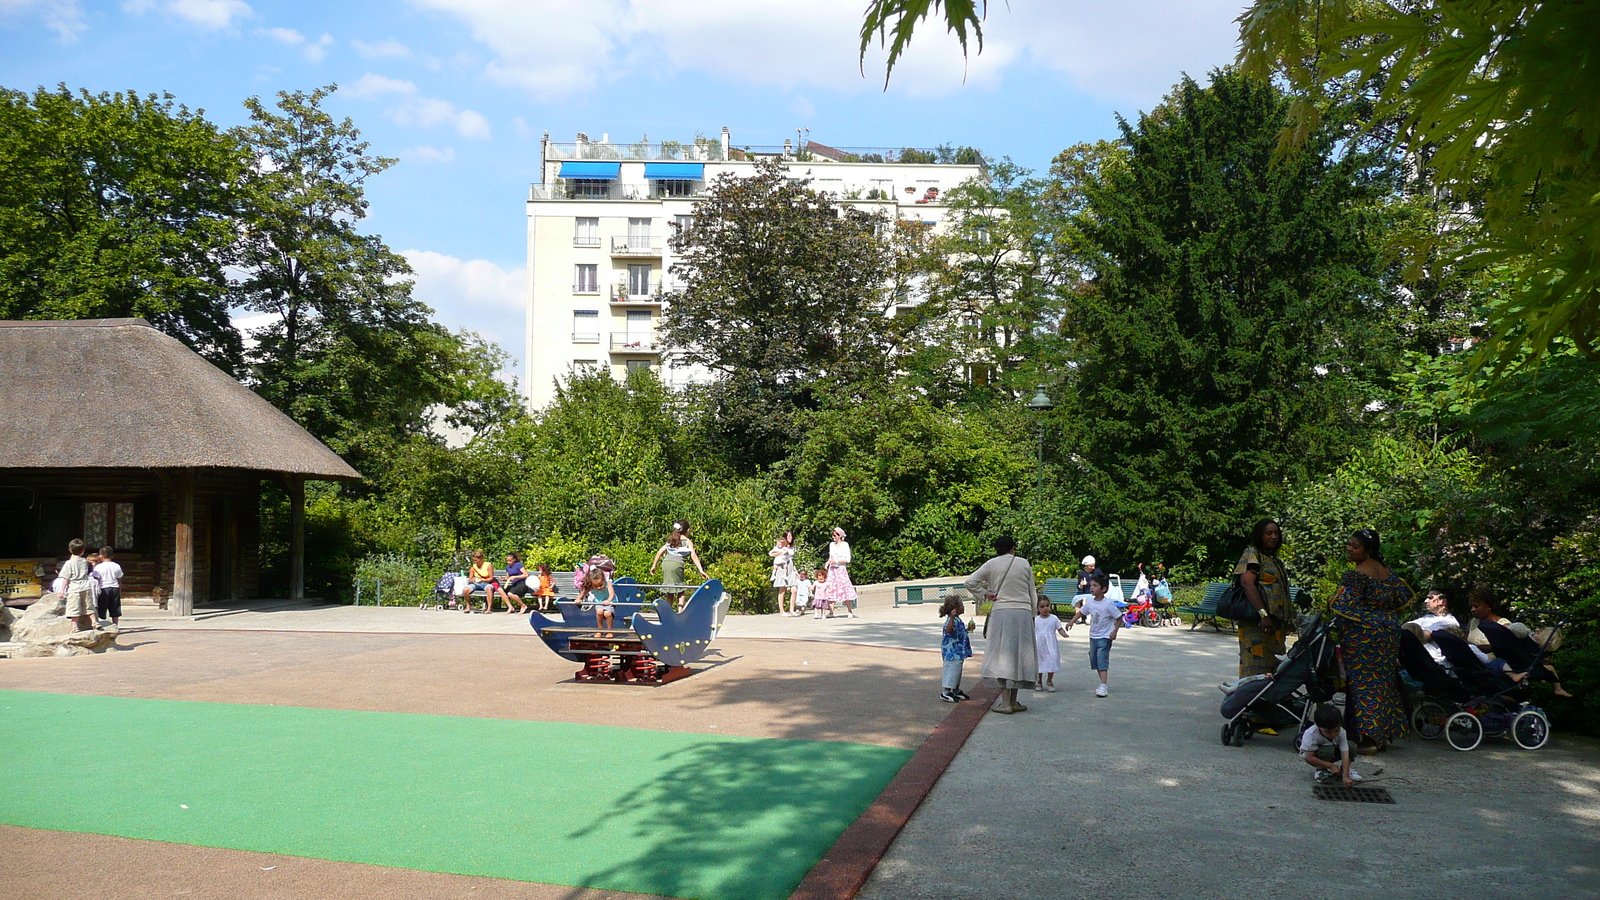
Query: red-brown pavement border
(842, 871)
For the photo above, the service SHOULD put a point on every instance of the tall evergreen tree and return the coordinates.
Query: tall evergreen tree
(1220, 350)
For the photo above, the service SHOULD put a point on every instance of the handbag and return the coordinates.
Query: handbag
(1233, 604)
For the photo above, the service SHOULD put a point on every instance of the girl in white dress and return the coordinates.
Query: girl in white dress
(1046, 627)
(784, 576)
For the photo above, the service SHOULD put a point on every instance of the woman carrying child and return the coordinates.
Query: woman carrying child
(597, 590)
(955, 647)
(784, 576)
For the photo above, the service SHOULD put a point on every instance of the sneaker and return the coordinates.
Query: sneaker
(1323, 776)
(1354, 776)
(1038, 685)
(960, 694)
(949, 697)
(1050, 686)
(1100, 690)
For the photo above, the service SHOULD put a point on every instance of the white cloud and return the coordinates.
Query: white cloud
(313, 51)
(284, 35)
(213, 15)
(316, 52)
(64, 17)
(1131, 50)
(431, 112)
(473, 293)
(380, 49)
(373, 85)
(430, 154)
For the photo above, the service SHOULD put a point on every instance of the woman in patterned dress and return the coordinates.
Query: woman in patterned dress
(838, 588)
(1266, 586)
(1368, 601)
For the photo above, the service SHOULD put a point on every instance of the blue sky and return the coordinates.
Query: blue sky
(460, 90)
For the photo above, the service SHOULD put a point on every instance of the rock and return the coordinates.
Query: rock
(69, 650)
(33, 651)
(42, 630)
(94, 640)
(6, 617)
(8, 648)
(50, 606)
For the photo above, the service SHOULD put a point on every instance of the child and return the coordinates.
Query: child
(954, 647)
(1326, 748)
(75, 572)
(1105, 620)
(1045, 628)
(802, 594)
(818, 604)
(109, 574)
(597, 590)
(547, 587)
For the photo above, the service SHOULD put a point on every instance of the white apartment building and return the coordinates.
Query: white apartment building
(600, 219)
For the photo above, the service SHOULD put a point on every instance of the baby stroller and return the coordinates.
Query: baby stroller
(1286, 698)
(1471, 701)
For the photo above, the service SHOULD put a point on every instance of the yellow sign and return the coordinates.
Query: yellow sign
(17, 581)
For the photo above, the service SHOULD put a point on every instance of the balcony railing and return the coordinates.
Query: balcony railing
(586, 337)
(710, 150)
(581, 241)
(635, 245)
(623, 294)
(635, 343)
(610, 190)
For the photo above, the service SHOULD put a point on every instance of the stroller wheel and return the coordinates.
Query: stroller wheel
(1463, 731)
(1530, 729)
(1240, 732)
(1428, 720)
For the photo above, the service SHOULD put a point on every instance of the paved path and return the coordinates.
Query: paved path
(1134, 795)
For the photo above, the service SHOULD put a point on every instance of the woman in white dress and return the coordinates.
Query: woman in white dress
(838, 589)
(784, 576)
(1010, 656)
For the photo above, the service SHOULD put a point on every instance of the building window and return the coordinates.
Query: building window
(674, 187)
(584, 366)
(639, 233)
(639, 280)
(589, 188)
(586, 232)
(586, 278)
(831, 186)
(107, 524)
(586, 326)
(683, 223)
(638, 364)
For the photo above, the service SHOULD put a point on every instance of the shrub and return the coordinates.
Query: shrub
(745, 579)
(403, 581)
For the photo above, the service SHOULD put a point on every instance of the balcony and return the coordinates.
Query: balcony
(586, 337)
(591, 241)
(581, 288)
(636, 245)
(611, 190)
(620, 296)
(634, 343)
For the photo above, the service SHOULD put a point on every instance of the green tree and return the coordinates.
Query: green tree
(781, 295)
(1231, 314)
(348, 353)
(118, 205)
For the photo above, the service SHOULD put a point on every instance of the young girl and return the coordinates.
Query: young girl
(955, 647)
(597, 590)
(818, 602)
(1046, 627)
(547, 587)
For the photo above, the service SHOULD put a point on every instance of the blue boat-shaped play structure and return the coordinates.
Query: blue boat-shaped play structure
(640, 648)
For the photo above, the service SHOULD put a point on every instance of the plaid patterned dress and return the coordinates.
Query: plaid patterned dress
(1368, 609)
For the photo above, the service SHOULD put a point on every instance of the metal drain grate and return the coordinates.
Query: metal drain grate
(1351, 794)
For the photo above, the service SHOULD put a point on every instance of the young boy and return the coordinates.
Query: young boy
(1326, 748)
(108, 605)
(802, 595)
(1105, 620)
(75, 572)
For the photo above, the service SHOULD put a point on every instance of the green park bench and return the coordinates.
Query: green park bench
(1205, 613)
(1060, 591)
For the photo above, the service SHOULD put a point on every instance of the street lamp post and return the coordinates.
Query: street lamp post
(1041, 404)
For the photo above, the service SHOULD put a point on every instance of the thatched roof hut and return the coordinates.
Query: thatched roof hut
(116, 432)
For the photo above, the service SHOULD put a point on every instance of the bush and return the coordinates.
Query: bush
(403, 581)
(745, 579)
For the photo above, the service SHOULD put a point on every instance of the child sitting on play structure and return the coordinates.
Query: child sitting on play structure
(597, 590)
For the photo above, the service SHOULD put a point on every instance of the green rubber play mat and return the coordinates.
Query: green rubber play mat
(686, 815)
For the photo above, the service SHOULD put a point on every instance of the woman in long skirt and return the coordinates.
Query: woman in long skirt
(838, 589)
(1009, 654)
(1367, 603)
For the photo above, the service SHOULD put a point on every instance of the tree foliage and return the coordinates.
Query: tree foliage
(117, 205)
(1229, 298)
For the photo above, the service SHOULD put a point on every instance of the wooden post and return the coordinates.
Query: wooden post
(183, 548)
(297, 537)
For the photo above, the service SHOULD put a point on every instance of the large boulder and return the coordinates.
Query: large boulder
(50, 606)
(46, 632)
(42, 630)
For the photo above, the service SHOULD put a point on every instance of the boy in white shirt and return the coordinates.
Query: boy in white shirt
(802, 595)
(1326, 748)
(1105, 620)
(108, 605)
(79, 587)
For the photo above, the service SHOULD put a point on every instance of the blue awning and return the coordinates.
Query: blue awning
(605, 171)
(675, 171)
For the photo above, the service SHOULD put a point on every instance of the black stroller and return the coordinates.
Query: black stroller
(1470, 701)
(1285, 699)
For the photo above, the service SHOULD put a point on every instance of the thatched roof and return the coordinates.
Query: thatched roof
(117, 393)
